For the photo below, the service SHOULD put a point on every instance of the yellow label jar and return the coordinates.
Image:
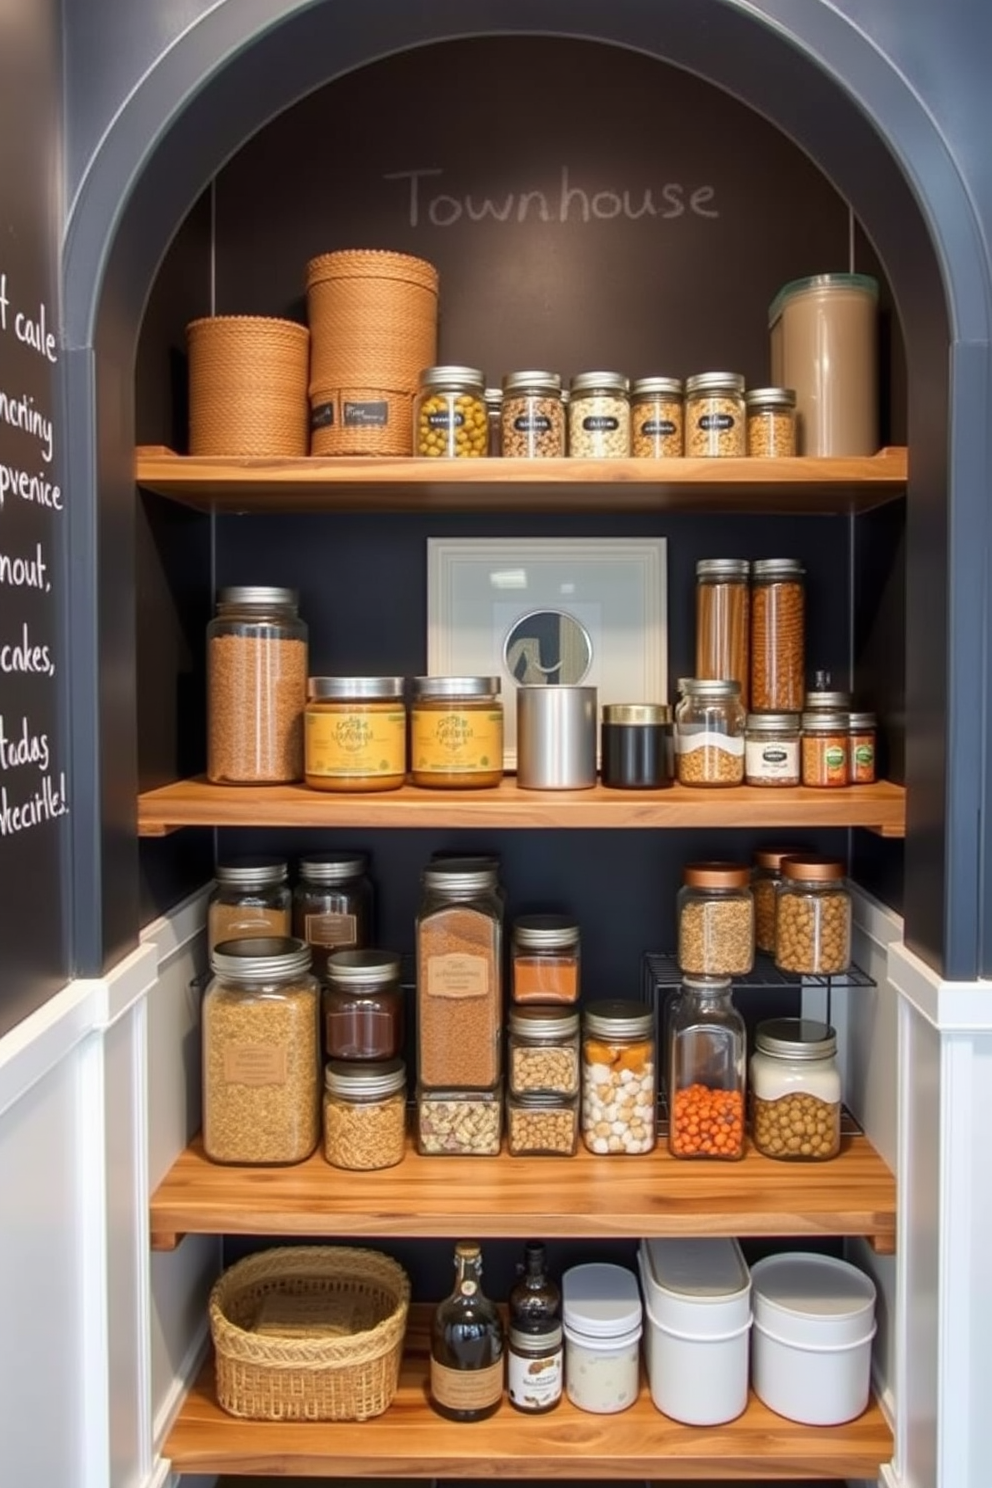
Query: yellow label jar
(456, 732)
(355, 734)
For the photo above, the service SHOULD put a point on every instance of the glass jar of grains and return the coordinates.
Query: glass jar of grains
(256, 687)
(261, 1053)
(716, 919)
(657, 418)
(778, 635)
(813, 918)
(706, 1072)
(364, 1114)
(459, 975)
(599, 416)
(795, 1090)
(456, 732)
(765, 877)
(709, 733)
(542, 1125)
(714, 414)
(332, 904)
(250, 897)
(532, 423)
(619, 1079)
(723, 621)
(449, 416)
(543, 1050)
(355, 734)
(363, 1005)
(826, 749)
(771, 749)
(544, 959)
(771, 421)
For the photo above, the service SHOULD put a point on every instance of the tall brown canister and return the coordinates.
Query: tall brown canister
(373, 328)
(247, 386)
(824, 344)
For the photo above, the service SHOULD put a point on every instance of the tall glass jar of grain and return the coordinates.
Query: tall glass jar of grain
(709, 733)
(706, 1072)
(261, 1053)
(778, 635)
(459, 975)
(714, 414)
(765, 878)
(723, 621)
(256, 687)
(250, 897)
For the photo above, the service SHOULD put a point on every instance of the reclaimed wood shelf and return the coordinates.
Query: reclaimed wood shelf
(410, 1440)
(505, 1197)
(196, 803)
(816, 486)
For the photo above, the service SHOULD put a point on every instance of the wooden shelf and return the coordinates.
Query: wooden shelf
(769, 487)
(506, 1197)
(409, 1440)
(196, 803)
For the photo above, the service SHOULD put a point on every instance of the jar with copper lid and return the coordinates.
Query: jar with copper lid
(716, 919)
(813, 918)
(657, 418)
(456, 733)
(355, 734)
(362, 1005)
(826, 749)
(250, 897)
(333, 904)
(766, 875)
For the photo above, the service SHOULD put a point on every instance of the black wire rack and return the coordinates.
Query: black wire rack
(661, 971)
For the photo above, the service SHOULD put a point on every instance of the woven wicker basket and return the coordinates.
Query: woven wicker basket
(309, 1333)
(248, 386)
(373, 328)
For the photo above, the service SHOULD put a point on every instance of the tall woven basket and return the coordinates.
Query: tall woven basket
(248, 386)
(309, 1333)
(373, 328)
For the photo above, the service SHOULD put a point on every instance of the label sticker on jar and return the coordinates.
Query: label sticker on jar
(466, 1389)
(534, 1384)
(447, 419)
(532, 423)
(721, 421)
(708, 739)
(655, 427)
(466, 741)
(341, 745)
(255, 1064)
(600, 423)
(776, 761)
(334, 931)
(457, 975)
(366, 415)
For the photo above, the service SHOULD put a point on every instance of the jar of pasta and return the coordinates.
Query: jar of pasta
(709, 733)
(714, 414)
(365, 1114)
(456, 732)
(449, 417)
(657, 418)
(544, 959)
(599, 416)
(619, 1082)
(355, 734)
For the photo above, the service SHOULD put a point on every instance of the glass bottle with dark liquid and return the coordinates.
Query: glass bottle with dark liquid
(466, 1345)
(535, 1300)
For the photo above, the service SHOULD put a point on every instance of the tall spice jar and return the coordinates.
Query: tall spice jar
(723, 621)
(250, 897)
(706, 1072)
(333, 904)
(256, 687)
(619, 1077)
(778, 635)
(459, 975)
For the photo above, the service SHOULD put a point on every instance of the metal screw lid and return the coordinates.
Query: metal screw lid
(547, 1337)
(263, 595)
(709, 687)
(260, 958)
(796, 1038)
(777, 568)
(819, 722)
(332, 868)
(545, 932)
(640, 714)
(366, 968)
(353, 1078)
(707, 983)
(545, 382)
(618, 1017)
(455, 687)
(441, 376)
(723, 568)
(646, 387)
(863, 721)
(461, 877)
(714, 382)
(605, 382)
(354, 689)
(769, 723)
(823, 698)
(251, 872)
(544, 1022)
(770, 397)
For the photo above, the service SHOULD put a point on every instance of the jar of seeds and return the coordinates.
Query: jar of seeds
(543, 1051)
(795, 1090)
(599, 416)
(250, 897)
(709, 733)
(813, 918)
(256, 687)
(771, 422)
(714, 414)
(364, 1114)
(716, 919)
(532, 422)
(657, 418)
(261, 1053)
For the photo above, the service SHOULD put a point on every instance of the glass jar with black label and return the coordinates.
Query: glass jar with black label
(449, 416)
(657, 416)
(533, 417)
(599, 416)
(715, 421)
(332, 905)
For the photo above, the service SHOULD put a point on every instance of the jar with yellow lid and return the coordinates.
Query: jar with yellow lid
(355, 734)
(456, 732)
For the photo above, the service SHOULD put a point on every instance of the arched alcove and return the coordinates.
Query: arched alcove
(819, 81)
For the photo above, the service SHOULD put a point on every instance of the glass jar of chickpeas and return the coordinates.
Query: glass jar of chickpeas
(706, 1072)
(715, 422)
(813, 918)
(449, 416)
(795, 1090)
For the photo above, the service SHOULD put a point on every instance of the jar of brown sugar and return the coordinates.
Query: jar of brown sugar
(363, 1005)
(826, 749)
(459, 975)
(456, 732)
(256, 687)
(778, 635)
(355, 734)
(250, 897)
(657, 418)
(332, 904)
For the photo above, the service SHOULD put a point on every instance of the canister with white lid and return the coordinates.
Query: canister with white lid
(698, 1306)
(602, 1318)
(814, 1320)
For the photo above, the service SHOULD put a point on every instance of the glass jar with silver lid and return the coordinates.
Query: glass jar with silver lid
(333, 904)
(714, 414)
(709, 733)
(456, 732)
(533, 416)
(355, 734)
(657, 418)
(256, 686)
(795, 1090)
(365, 1114)
(772, 749)
(599, 416)
(771, 421)
(250, 897)
(450, 418)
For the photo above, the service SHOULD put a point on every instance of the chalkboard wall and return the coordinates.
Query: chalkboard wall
(34, 798)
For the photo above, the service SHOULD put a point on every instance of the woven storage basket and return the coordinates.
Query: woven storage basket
(309, 1333)
(373, 328)
(248, 386)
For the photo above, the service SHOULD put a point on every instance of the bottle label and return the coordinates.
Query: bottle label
(778, 761)
(255, 1064)
(457, 975)
(342, 745)
(658, 428)
(534, 1384)
(365, 415)
(718, 421)
(467, 1389)
(469, 742)
(331, 930)
(600, 423)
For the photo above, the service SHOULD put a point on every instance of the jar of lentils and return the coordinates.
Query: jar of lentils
(709, 733)
(714, 414)
(449, 417)
(813, 918)
(256, 687)
(619, 1089)
(657, 418)
(716, 919)
(706, 1072)
(795, 1090)
(771, 422)
(532, 422)
(599, 416)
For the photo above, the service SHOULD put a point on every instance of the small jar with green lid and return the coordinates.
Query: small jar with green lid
(657, 418)
(450, 418)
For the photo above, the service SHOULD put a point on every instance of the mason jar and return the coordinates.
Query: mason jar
(543, 1051)
(619, 1077)
(771, 422)
(532, 421)
(813, 918)
(459, 975)
(771, 749)
(449, 414)
(706, 1072)
(657, 418)
(456, 733)
(599, 416)
(365, 1114)
(363, 1005)
(250, 897)
(826, 749)
(709, 733)
(795, 1090)
(333, 904)
(715, 910)
(714, 414)
(256, 687)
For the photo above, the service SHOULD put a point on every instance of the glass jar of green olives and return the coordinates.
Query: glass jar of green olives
(450, 417)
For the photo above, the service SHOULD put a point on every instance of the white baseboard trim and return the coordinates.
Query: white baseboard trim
(188, 1369)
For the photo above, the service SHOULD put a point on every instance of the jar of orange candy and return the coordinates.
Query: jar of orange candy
(706, 1053)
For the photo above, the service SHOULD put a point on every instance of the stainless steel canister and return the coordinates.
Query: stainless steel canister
(556, 737)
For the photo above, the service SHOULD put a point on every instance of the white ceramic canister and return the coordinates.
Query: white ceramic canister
(602, 1317)
(814, 1320)
(697, 1297)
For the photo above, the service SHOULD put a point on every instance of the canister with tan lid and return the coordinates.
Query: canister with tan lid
(824, 344)
(456, 732)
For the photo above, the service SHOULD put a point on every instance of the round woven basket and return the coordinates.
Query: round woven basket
(373, 328)
(309, 1333)
(248, 386)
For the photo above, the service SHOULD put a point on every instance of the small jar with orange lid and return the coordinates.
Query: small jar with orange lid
(456, 732)
(355, 734)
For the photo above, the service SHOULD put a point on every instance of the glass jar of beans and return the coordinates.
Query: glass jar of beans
(766, 875)
(599, 416)
(715, 421)
(709, 732)
(813, 918)
(716, 919)
(795, 1090)
(450, 417)
(706, 1072)
(532, 419)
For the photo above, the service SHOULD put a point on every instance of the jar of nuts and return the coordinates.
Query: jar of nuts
(716, 919)
(706, 1072)
(709, 732)
(454, 1123)
(714, 414)
(795, 1090)
(542, 1125)
(532, 422)
(778, 635)
(657, 417)
(771, 421)
(449, 415)
(765, 878)
(813, 918)
(543, 1051)
(599, 416)
(619, 1089)
(364, 1114)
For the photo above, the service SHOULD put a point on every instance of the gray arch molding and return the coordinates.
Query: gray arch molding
(818, 79)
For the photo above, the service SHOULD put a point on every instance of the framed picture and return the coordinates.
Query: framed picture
(547, 611)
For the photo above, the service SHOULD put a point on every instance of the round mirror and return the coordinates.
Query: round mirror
(548, 646)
